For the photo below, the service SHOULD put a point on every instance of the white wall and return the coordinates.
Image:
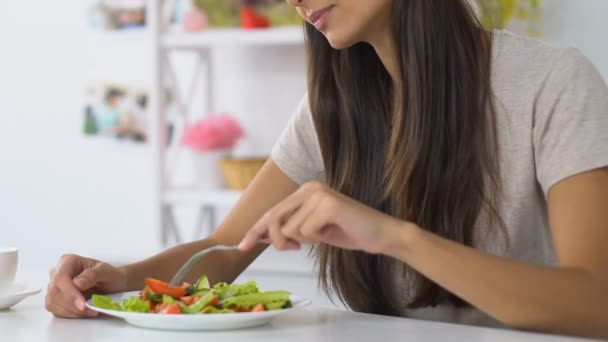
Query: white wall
(60, 192)
(579, 23)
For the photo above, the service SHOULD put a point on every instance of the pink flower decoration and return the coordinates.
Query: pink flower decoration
(195, 20)
(215, 133)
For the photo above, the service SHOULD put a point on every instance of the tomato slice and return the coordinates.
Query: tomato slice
(215, 301)
(258, 308)
(188, 300)
(160, 287)
(172, 309)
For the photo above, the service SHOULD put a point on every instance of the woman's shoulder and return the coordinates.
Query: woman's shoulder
(521, 59)
(526, 69)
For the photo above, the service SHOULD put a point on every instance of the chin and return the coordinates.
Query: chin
(339, 41)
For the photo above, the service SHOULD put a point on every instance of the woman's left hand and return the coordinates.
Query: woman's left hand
(318, 214)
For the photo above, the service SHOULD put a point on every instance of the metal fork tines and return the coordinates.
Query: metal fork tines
(183, 272)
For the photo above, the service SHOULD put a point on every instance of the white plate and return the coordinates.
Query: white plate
(197, 322)
(16, 294)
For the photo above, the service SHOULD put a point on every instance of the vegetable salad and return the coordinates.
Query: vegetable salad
(199, 298)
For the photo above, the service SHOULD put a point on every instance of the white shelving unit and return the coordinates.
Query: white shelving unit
(163, 75)
(282, 36)
(120, 37)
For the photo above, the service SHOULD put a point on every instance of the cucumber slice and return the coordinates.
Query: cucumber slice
(202, 283)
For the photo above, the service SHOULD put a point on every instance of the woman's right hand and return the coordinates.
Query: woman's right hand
(76, 278)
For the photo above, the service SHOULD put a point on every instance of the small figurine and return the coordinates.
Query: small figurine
(195, 20)
(109, 112)
(250, 19)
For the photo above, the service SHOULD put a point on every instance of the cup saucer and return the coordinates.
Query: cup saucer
(16, 294)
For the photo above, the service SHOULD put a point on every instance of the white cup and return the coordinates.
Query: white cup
(9, 258)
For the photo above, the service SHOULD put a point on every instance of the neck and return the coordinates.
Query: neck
(386, 52)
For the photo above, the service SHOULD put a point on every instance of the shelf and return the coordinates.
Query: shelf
(133, 36)
(280, 36)
(202, 197)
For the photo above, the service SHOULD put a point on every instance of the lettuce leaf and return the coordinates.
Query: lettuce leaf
(225, 290)
(135, 304)
(278, 305)
(105, 302)
(276, 298)
(214, 310)
(132, 304)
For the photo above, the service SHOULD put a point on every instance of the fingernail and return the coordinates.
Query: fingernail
(92, 313)
(242, 245)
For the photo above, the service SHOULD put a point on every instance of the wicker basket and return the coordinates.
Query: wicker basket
(240, 172)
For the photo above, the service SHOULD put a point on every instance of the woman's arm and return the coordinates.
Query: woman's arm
(570, 299)
(268, 188)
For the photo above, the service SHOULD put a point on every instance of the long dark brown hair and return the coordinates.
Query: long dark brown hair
(425, 151)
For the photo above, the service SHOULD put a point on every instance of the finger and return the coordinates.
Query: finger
(312, 227)
(285, 209)
(251, 238)
(61, 312)
(69, 291)
(87, 279)
(67, 304)
(291, 228)
(278, 214)
(258, 233)
(57, 304)
(69, 264)
(279, 241)
(289, 205)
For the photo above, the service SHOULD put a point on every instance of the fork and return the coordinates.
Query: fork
(185, 269)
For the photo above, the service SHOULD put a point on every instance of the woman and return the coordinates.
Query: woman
(438, 170)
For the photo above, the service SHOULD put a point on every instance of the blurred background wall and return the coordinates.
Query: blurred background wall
(61, 192)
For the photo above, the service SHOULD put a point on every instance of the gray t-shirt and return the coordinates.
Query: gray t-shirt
(552, 118)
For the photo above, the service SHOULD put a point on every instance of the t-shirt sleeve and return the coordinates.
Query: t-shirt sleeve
(297, 152)
(571, 121)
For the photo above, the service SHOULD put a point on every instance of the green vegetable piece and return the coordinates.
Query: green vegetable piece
(214, 310)
(200, 293)
(154, 297)
(135, 304)
(169, 300)
(198, 306)
(224, 290)
(202, 283)
(191, 289)
(278, 305)
(105, 302)
(250, 300)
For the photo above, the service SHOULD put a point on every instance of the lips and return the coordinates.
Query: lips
(318, 17)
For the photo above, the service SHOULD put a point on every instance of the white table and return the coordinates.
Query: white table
(29, 322)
